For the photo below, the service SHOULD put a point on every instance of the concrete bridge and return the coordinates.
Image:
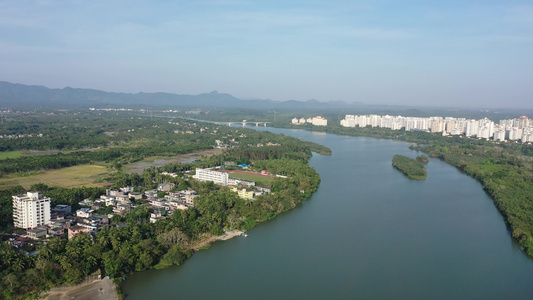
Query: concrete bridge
(244, 122)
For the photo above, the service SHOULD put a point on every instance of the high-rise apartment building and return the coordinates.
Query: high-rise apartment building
(30, 210)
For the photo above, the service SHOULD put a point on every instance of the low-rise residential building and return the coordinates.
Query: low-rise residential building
(173, 196)
(97, 206)
(86, 202)
(37, 233)
(156, 216)
(180, 197)
(150, 194)
(57, 227)
(115, 193)
(121, 209)
(188, 196)
(123, 199)
(165, 187)
(127, 189)
(62, 210)
(244, 193)
(91, 228)
(84, 212)
(56, 231)
(135, 195)
(75, 231)
(174, 205)
(157, 202)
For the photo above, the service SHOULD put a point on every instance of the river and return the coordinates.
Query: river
(367, 233)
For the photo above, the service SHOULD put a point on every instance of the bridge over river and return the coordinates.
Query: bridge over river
(244, 122)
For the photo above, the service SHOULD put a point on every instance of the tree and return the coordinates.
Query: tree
(173, 237)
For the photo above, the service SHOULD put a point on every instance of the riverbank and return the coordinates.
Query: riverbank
(211, 239)
(88, 290)
(96, 289)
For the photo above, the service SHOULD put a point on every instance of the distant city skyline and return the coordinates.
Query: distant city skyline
(448, 54)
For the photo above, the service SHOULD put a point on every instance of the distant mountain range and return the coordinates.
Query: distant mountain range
(17, 95)
(20, 96)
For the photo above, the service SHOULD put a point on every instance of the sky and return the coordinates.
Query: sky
(464, 53)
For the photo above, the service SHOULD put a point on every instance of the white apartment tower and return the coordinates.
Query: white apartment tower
(30, 210)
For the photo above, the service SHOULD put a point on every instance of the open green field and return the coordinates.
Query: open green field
(262, 180)
(10, 154)
(83, 175)
(159, 161)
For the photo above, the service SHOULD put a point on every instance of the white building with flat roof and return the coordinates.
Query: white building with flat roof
(220, 178)
(319, 121)
(30, 210)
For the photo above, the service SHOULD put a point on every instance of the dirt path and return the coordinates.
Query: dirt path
(90, 290)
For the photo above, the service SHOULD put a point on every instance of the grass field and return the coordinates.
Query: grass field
(84, 175)
(159, 161)
(257, 178)
(10, 154)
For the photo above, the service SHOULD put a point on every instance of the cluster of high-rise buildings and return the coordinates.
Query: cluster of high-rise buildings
(520, 129)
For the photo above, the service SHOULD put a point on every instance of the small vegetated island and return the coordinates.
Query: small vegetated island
(423, 159)
(412, 168)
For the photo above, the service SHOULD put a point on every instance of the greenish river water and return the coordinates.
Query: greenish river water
(367, 233)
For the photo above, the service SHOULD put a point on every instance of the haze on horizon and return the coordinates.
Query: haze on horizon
(430, 53)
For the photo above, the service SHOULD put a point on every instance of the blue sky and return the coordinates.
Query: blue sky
(433, 53)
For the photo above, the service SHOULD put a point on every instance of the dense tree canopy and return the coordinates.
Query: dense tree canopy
(412, 168)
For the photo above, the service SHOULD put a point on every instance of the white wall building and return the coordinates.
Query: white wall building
(513, 129)
(319, 121)
(210, 175)
(527, 136)
(515, 133)
(30, 210)
(316, 121)
(499, 133)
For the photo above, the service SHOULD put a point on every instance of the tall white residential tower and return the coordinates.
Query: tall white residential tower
(30, 210)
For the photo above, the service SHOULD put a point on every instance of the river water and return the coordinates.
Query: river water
(367, 233)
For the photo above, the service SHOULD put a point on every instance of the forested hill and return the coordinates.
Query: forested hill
(26, 96)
